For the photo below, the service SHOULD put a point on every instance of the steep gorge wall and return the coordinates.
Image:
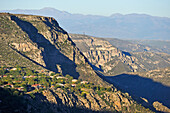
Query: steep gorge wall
(114, 61)
(103, 55)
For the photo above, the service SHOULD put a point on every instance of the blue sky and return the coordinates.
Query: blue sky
(95, 7)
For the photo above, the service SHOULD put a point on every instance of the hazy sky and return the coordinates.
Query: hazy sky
(95, 7)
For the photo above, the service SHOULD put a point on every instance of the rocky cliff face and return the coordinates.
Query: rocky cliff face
(114, 61)
(66, 102)
(160, 107)
(46, 44)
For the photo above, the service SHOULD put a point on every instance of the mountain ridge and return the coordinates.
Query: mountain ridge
(131, 26)
(66, 12)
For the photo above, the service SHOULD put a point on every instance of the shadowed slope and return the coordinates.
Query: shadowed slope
(142, 87)
(51, 55)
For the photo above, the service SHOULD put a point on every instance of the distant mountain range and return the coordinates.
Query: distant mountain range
(131, 26)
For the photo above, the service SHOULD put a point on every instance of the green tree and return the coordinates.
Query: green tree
(19, 68)
(61, 81)
(1, 82)
(31, 81)
(16, 93)
(109, 89)
(2, 71)
(52, 74)
(54, 79)
(83, 94)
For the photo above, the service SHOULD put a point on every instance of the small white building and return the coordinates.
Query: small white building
(84, 82)
(74, 80)
(60, 84)
(73, 85)
(60, 77)
(51, 76)
(14, 69)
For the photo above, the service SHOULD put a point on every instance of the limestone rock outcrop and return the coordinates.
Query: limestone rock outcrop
(114, 61)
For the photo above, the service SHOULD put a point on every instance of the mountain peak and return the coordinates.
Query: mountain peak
(116, 15)
(48, 8)
(51, 10)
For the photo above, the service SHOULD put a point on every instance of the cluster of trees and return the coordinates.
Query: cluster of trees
(25, 78)
(22, 77)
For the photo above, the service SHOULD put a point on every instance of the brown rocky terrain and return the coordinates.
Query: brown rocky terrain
(64, 101)
(160, 107)
(112, 101)
(114, 61)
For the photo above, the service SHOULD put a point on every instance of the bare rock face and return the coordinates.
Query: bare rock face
(160, 107)
(112, 101)
(114, 61)
(102, 54)
(30, 50)
(23, 47)
(98, 51)
(59, 68)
